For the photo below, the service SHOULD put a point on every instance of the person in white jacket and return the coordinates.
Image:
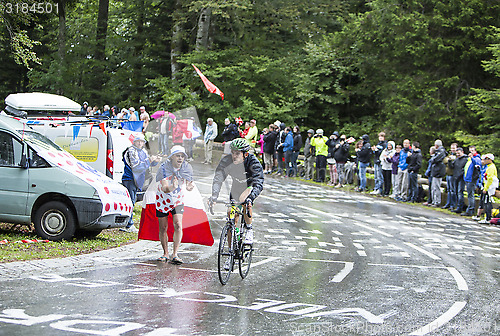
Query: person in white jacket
(388, 152)
(210, 135)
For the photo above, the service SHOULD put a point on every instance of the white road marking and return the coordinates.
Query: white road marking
(268, 259)
(397, 265)
(441, 320)
(373, 229)
(145, 264)
(271, 198)
(421, 250)
(462, 285)
(361, 253)
(333, 216)
(348, 267)
(327, 261)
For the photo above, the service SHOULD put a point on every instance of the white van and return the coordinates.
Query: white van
(47, 186)
(97, 142)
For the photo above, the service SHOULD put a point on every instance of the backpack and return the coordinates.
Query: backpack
(280, 140)
(125, 157)
(235, 133)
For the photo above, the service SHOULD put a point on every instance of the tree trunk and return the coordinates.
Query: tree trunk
(61, 41)
(100, 51)
(176, 44)
(203, 29)
(138, 62)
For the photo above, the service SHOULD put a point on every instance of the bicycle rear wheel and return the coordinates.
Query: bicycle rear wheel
(245, 255)
(225, 256)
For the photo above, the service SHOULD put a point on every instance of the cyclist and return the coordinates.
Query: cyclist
(248, 180)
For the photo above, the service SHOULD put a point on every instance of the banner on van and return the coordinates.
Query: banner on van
(114, 196)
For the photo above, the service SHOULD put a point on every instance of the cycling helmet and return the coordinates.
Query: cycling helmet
(240, 144)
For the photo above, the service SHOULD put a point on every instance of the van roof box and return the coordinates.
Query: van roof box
(37, 101)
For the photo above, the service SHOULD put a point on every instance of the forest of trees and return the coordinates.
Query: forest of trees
(418, 69)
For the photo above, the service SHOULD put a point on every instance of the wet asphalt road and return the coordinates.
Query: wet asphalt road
(326, 262)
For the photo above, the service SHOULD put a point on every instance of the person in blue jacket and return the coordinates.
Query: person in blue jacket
(402, 177)
(288, 151)
(471, 176)
(137, 163)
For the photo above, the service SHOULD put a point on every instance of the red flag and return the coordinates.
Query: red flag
(90, 131)
(210, 87)
(195, 225)
(102, 127)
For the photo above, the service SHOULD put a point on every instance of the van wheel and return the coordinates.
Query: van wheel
(54, 221)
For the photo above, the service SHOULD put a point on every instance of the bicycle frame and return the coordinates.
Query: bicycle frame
(233, 236)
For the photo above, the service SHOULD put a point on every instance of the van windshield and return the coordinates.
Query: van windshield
(36, 139)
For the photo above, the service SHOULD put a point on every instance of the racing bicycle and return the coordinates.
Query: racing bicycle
(231, 244)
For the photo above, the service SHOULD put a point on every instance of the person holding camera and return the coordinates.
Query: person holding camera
(319, 143)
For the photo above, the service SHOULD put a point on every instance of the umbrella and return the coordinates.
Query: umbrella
(157, 114)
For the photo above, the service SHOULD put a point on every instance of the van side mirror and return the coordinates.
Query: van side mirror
(24, 162)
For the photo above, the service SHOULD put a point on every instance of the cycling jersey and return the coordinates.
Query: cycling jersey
(247, 174)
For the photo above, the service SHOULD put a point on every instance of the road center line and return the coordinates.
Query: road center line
(462, 285)
(441, 320)
(421, 250)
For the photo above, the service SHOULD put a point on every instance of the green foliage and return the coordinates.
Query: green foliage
(485, 105)
(414, 63)
(417, 69)
(17, 16)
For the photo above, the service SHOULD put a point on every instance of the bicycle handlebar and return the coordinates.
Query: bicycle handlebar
(231, 203)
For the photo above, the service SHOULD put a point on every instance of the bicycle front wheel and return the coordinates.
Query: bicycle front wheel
(226, 256)
(245, 257)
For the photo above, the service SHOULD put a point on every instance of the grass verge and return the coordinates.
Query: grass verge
(18, 251)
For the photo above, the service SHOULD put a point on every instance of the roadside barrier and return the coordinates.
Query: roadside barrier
(29, 241)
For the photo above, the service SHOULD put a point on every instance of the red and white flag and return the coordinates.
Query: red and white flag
(195, 225)
(210, 87)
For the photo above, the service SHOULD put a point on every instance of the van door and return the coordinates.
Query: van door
(14, 179)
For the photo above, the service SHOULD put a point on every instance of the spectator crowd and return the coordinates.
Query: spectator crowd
(396, 167)
(328, 159)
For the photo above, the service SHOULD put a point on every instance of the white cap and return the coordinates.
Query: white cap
(319, 131)
(176, 150)
(488, 156)
(138, 137)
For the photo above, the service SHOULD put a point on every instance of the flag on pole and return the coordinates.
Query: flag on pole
(210, 87)
(103, 128)
(195, 225)
(90, 130)
(76, 130)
